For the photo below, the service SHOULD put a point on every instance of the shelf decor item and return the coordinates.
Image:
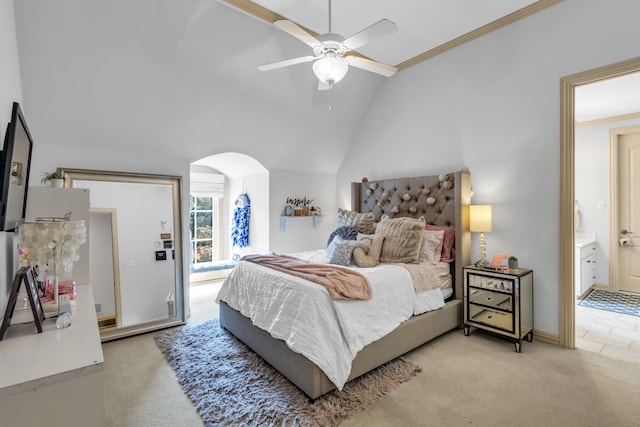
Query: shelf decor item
(513, 263)
(52, 245)
(55, 179)
(25, 275)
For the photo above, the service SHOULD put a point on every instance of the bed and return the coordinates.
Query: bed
(443, 202)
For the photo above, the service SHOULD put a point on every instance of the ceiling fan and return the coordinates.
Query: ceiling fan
(331, 51)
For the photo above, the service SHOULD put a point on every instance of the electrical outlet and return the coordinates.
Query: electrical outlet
(600, 206)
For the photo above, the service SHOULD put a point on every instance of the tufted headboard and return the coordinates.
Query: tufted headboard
(442, 200)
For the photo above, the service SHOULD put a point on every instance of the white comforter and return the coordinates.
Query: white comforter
(327, 332)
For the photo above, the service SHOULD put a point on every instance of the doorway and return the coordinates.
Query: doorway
(104, 276)
(215, 183)
(567, 187)
(606, 319)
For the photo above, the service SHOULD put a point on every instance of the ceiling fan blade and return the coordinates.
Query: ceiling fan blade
(297, 31)
(373, 66)
(286, 63)
(381, 28)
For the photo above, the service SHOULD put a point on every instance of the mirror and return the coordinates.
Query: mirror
(136, 254)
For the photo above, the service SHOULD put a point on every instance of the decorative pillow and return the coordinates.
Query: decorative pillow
(342, 251)
(402, 238)
(362, 223)
(332, 245)
(448, 243)
(431, 247)
(367, 253)
(347, 233)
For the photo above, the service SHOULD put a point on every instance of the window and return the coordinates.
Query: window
(205, 222)
(202, 225)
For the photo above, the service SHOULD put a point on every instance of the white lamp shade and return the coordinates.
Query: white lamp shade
(480, 218)
(330, 69)
(52, 244)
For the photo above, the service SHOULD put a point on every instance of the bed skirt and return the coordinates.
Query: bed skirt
(309, 378)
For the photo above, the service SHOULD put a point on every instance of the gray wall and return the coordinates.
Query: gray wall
(10, 92)
(493, 106)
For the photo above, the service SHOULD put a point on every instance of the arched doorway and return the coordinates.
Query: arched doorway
(216, 182)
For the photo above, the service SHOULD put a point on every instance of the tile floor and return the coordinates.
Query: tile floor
(611, 334)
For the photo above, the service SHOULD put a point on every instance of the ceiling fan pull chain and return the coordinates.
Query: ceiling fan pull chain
(330, 97)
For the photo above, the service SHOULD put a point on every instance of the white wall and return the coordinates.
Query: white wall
(257, 187)
(301, 234)
(493, 105)
(592, 186)
(10, 92)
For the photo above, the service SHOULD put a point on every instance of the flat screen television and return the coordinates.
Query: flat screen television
(14, 171)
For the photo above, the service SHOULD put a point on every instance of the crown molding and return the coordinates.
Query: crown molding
(611, 119)
(479, 32)
(260, 12)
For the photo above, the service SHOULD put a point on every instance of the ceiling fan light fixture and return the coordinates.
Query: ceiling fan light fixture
(330, 69)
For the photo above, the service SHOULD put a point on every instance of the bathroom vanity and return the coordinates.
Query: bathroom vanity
(585, 262)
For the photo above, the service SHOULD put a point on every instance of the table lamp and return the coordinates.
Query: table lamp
(480, 222)
(52, 245)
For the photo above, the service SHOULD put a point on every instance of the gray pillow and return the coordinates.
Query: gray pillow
(346, 232)
(342, 251)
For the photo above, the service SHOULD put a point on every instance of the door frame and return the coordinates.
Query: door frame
(112, 213)
(614, 227)
(567, 187)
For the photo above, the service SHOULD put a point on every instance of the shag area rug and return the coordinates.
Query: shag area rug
(230, 385)
(617, 302)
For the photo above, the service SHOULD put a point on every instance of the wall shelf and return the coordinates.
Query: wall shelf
(285, 220)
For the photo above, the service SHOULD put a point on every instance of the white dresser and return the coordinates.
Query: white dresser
(53, 378)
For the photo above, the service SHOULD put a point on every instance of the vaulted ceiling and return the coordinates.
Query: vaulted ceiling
(179, 77)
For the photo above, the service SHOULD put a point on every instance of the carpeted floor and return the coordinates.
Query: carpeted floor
(617, 302)
(230, 385)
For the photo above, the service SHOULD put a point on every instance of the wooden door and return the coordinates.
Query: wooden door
(628, 210)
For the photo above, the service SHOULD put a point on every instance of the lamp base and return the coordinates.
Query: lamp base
(482, 262)
(51, 309)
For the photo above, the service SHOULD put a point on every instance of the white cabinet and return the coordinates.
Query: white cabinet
(585, 265)
(54, 378)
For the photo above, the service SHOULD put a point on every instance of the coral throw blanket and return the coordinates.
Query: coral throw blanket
(342, 283)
